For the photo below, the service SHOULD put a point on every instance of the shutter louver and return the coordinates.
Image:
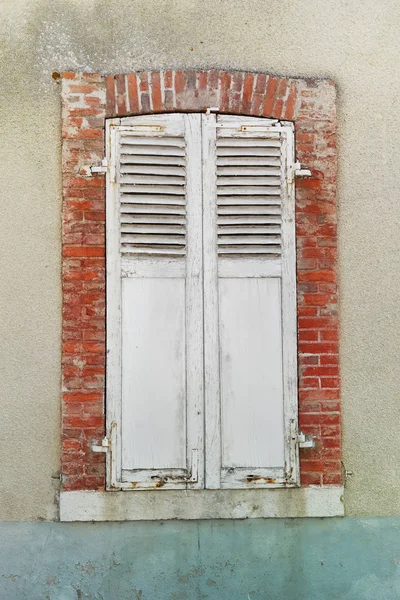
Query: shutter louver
(152, 189)
(249, 196)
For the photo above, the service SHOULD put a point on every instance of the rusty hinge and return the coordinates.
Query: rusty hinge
(261, 128)
(143, 128)
(193, 476)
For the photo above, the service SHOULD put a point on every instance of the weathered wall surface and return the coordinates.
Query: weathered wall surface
(246, 560)
(354, 43)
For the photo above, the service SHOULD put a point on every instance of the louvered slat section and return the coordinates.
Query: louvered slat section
(249, 196)
(152, 190)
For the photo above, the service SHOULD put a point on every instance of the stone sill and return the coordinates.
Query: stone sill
(201, 504)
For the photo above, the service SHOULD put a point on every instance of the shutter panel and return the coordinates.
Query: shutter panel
(154, 272)
(249, 303)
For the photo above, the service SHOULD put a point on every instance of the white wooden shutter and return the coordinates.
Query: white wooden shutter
(154, 303)
(250, 303)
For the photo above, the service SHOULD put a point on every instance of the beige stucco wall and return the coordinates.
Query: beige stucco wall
(354, 42)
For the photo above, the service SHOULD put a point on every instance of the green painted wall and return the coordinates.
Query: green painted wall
(273, 559)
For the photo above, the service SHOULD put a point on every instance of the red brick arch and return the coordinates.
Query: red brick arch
(88, 99)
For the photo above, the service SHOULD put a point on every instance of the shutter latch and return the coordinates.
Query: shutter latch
(304, 442)
(299, 172)
(89, 170)
(211, 109)
(105, 446)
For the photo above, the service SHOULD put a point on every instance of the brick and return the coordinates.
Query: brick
(236, 92)
(144, 81)
(329, 335)
(308, 335)
(317, 371)
(329, 382)
(133, 94)
(83, 251)
(261, 80)
(309, 382)
(82, 397)
(83, 422)
(330, 419)
(247, 93)
(212, 79)
(179, 82)
(156, 92)
(312, 466)
(168, 80)
(330, 360)
(121, 94)
(317, 322)
(332, 478)
(202, 80)
(306, 359)
(225, 86)
(332, 442)
(145, 102)
(270, 96)
(317, 348)
(317, 299)
(318, 275)
(291, 102)
(110, 95)
(310, 479)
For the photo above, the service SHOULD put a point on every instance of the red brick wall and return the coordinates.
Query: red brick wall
(87, 100)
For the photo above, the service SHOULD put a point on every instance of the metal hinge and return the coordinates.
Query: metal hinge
(256, 128)
(193, 477)
(299, 172)
(105, 446)
(143, 128)
(303, 441)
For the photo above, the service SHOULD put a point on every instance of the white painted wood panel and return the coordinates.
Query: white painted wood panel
(211, 332)
(251, 372)
(194, 302)
(155, 292)
(153, 374)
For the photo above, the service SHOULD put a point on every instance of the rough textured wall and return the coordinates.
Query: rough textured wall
(215, 560)
(354, 43)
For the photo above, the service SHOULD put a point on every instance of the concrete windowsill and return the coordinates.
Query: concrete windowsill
(201, 504)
